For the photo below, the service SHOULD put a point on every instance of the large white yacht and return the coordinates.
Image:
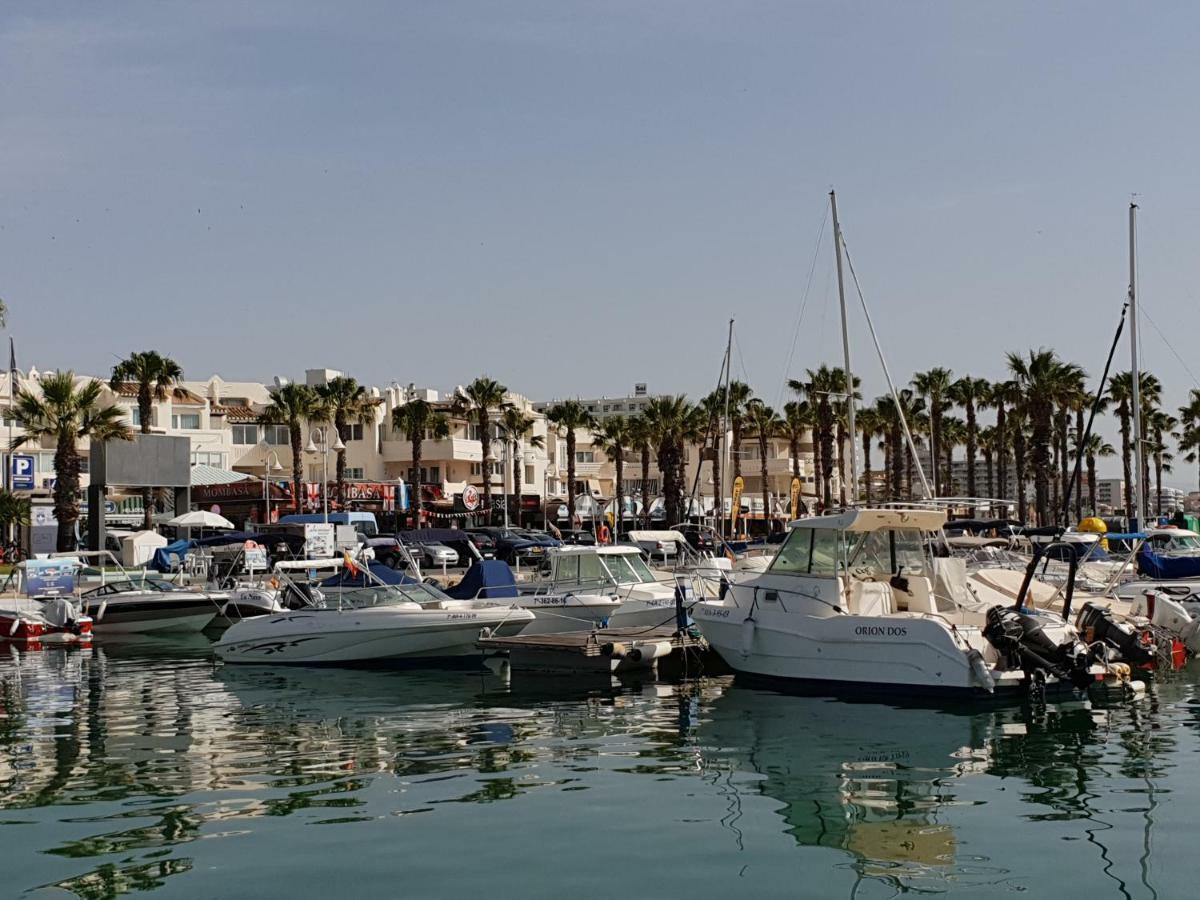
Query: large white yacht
(856, 600)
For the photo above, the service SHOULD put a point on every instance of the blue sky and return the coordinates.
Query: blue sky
(574, 197)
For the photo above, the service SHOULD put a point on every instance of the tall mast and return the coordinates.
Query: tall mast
(852, 491)
(720, 500)
(1139, 446)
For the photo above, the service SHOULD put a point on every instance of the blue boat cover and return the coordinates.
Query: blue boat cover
(488, 578)
(1153, 565)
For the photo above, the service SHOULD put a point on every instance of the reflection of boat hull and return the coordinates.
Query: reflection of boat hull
(381, 634)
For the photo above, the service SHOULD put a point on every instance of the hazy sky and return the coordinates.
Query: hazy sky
(573, 197)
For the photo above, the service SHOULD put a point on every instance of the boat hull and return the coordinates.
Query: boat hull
(313, 637)
(152, 616)
(559, 613)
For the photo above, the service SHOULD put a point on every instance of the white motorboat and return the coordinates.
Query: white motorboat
(620, 571)
(850, 600)
(374, 624)
(146, 605)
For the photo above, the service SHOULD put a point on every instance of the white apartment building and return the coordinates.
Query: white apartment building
(605, 407)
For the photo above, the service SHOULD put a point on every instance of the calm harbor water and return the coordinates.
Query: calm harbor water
(141, 767)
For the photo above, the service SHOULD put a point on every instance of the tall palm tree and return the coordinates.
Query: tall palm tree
(869, 427)
(671, 421)
(1070, 397)
(1159, 427)
(1040, 378)
(614, 439)
(477, 400)
(517, 428)
(987, 446)
(798, 418)
(1120, 392)
(1005, 395)
(740, 395)
(971, 393)
(1189, 420)
(1094, 447)
(764, 423)
(1017, 433)
(954, 435)
(418, 420)
(819, 388)
(639, 441)
(571, 414)
(345, 403)
(66, 414)
(154, 376)
(293, 405)
(934, 386)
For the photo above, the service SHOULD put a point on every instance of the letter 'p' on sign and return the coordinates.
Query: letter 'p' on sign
(22, 473)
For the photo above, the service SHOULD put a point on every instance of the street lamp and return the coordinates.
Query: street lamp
(491, 459)
(323, 446)
(271, 464)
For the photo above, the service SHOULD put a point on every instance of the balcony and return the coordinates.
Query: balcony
(447, 450)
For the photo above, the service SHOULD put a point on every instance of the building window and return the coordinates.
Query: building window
(585, 456)
(277, 435)
(203, 458)
(135, 416)
(474, 433)
(355, 473)
(435, 474)
(353, 432)
(186, 421)
(529, 476)
(85, 465)
(497, 468)
(244, 435)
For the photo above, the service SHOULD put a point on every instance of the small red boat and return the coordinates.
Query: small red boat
(53, 620)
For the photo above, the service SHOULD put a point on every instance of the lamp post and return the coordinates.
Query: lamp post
(491, 460)
(271, 464)
(323, 447)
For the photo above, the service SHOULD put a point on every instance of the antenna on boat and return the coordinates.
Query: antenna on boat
(1136, 372)
(852, 493)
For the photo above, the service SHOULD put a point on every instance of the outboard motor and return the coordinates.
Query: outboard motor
(1023, 642)
(1135, 646)
(301, 596)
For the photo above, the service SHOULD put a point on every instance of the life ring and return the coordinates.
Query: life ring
(604, 534)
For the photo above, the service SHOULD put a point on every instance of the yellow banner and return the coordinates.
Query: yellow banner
(795, 513)
(735, 507)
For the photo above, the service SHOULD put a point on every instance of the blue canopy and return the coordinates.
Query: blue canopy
(488, 578)
(162, 556)
(1154, 565)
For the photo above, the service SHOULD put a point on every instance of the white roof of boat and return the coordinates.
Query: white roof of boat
(1172, 532)
(603, 549)
(876, 520)
(335, 562)
(668, 534)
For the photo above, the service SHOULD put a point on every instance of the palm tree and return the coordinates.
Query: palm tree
(821, 384)
(66, 414)
(671, 421)
(293, 405)
(1095, 446)
(571, 414)
(1070, 397)
(1120, 392)
(765, 424)
(345, 402)
(1189, 419)
(517, 428)
(639, 440)
(1017, 424)
(798, 418)
(869, 427)
(987, 446)
(1004, 395)
(739, 396)
(1040, 379)
(971, 393)
(1159, 425)
(614, 439)
(15, 509)
(954, 434)
(154, 376)
(419, 420)
(477, 400)
(934, 386)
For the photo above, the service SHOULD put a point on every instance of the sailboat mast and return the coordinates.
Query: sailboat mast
(1139, 445)
(720, 500)
(852, 491)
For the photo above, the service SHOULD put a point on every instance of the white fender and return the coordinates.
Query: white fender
(100, 612)
(748, 625)
(15, 625)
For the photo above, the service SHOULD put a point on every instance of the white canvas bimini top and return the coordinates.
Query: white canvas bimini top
(876, 520)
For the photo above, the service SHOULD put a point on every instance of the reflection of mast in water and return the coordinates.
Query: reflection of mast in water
(869, 780)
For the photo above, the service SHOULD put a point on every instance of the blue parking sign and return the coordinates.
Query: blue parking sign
(22, 473)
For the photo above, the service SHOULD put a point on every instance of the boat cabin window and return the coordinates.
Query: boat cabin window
(883, 553)
(1177, 543)
(809, 551)
(628, 568)
(567, 569)
(590, 568)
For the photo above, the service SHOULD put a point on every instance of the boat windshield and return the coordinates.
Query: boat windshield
(628, 568)
(384, 595)
(1182, 543)
(886, 552)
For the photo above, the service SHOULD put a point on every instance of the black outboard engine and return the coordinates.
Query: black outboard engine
(298, 596)
(1023, 642)
(1135, 646)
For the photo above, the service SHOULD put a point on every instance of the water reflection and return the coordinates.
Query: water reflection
(129, 766)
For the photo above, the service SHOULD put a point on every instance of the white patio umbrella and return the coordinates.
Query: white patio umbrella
(200, 518)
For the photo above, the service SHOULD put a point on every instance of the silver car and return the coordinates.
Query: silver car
(435, 554)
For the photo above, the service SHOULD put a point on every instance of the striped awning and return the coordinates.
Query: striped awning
(203, 474)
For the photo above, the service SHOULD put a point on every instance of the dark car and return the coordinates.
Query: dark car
(515, 545)
(578, 537)
(484, 543)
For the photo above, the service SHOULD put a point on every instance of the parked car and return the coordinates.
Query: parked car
(387, 551)
(435, 554)
(517, 545)
(484, 543)
(578, 537)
